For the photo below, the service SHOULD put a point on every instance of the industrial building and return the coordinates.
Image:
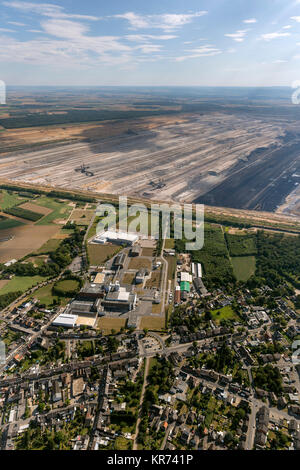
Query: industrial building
(197, 269)
(119, 261)
(186, 277)
(90, 308)
(200, 287)
(136, 250)
(185, 286)
(92, 292)
(141, 275)
(120, 301)
(120, 238)
(177, 295)
(66, 320)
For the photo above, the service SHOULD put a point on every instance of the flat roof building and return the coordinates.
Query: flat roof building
(200, 287)
(185, 286)
(119, 260)
(84, 307)
(92, 292)
(99, 278)
(66, 320)
(116, 237)
(186, 277)
(120, 301)
(140, 276)
(135, 250)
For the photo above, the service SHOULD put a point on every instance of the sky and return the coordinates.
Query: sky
(150, 42)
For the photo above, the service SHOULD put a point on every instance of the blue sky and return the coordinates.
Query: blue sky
(139, 42)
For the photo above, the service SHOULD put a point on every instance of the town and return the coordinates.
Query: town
(134, 343)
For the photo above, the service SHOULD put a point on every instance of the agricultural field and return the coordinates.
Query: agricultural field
(49, 246)
(35, 208)
(24, 213)
(26, 239)
(7, 223)
(9, 199)
(243, 267)
(21, 283)
(60, 210)
(82, 217)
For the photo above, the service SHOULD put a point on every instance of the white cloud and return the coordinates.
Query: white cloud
(6, 30)
(15, 23)
(202, 51)
(167, 22)
(147, 37)
(64, 28)
(276, 35)
(238, 36)
(296, 18)
(46, 9)
(149, 48)
(288, 26)
(250, 21)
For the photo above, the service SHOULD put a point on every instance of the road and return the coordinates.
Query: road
(147, 363)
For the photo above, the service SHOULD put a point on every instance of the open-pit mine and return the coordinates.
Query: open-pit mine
(232, 156)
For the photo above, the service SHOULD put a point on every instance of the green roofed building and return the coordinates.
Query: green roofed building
(185, 286)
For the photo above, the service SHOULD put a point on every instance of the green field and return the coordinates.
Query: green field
(243, 267)
(6, 223)
(225, 313)
(44, 295)
(9, 200)
(24, 213)
(68, 285)
(21, 283)
(60, 210)
(49, 246)
(241, 245)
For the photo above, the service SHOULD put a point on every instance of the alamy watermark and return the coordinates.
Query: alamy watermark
(159, 221)
(2, 92)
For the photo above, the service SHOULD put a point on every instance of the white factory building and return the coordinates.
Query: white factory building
(196, 270)
(116, 237)
(186, 277)
(67, 320)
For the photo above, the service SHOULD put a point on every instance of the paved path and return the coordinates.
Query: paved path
(147, 363)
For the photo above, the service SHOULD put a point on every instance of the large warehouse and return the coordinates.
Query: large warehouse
(121, 238)
(67, 320)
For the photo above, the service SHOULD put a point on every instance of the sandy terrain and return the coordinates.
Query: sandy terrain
(26, 239)
(177, 160)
